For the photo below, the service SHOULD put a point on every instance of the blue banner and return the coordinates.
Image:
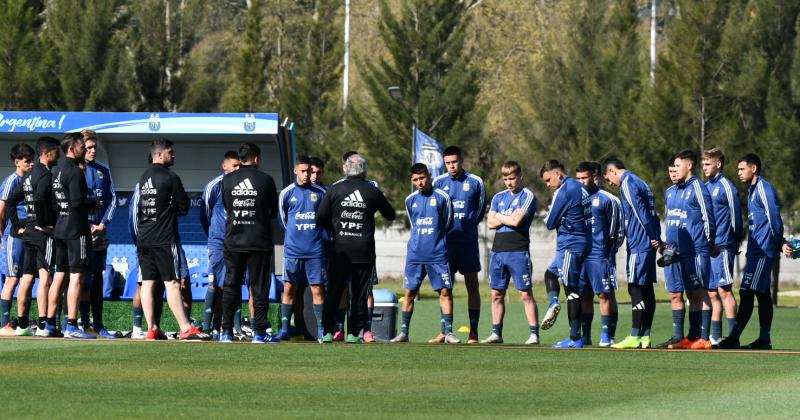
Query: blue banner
(137, 122)
(428, 151)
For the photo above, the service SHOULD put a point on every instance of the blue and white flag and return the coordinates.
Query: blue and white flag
(428, 151)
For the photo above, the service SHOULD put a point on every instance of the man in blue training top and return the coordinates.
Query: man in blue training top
(11, 248)
(642, 232)
(304, 245)
(599, 275)
(468, 196)
(730, 232)
(212, 218)
(570, 216)
(764, 244)
(510, 215)
(430, 213)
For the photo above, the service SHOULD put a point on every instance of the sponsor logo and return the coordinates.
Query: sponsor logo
(293, 199)
(460, 204)
(147, 188)
(309, 215)
(355, 215)
(244, 188)
(446, 188)
(244, 202)
(354, 200)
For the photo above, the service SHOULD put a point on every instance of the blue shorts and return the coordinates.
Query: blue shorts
(757, 274)
(504, 266)
(695, 271)
(305, 271)
(11, 257)
(216, 268)
(673, 278)
(722, 269)
(438, 275)
(641, 268)
(464, 258)
(600, 274)
(567, 266)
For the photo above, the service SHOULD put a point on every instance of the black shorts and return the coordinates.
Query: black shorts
(162, 263)
(38, 254)
(72, 255)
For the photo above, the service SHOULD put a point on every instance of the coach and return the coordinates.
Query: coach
(348, 209)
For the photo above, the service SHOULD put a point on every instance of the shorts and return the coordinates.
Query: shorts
(438, 275)
(160, 263)
(600, 275)
(641, 268)
(184, 271)
(305, 271)
(757, 274)
(567, 266)
(695, 272)
(11, 256)
(72, 255)
(464, 258)
(673, 278)
(216, 267)
(722, 269)
(504, 266)
(38, 254)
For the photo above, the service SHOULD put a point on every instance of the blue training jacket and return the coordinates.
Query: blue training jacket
(9, 184)
(508, 238)
(297, 210)
(468, 196)
(607, 224)
(101, 186)
(641, 222)
(727, 212)
(765, 235)
(213, 215)
(570, 214)
(431, 216)
(673, 213)
(698, 227)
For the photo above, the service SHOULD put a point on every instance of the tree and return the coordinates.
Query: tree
(247, 90)
(20, 56)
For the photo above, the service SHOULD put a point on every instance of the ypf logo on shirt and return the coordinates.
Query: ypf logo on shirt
(244, 188)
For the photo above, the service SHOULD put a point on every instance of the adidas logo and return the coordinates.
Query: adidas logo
(244, 188)
(147, 188)
(27, 182)
(354, 200)
(293, 199)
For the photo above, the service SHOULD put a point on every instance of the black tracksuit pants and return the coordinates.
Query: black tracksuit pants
(257, 264)
(355, 278)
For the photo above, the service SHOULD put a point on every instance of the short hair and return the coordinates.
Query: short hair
(419, 168)
(302, 160)
(159, 145)
(452, 151)
(587, 166)
(355, 165)
(319, 163)
(45, 144)
(687, 154)
(70, 140)
(347, 154)
(21, 151)
(752, 159)
(231, 154)
(510, 167)
(715, 154)
(612, 161)
(89, 135)
(248, 152)
(551, 165)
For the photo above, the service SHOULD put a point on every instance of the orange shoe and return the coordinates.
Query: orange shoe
(473, 338)
(683, 344)
(437, 340)
(701, 344)
(368, 337)
(8, 330)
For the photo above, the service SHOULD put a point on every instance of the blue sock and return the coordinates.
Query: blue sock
(731, 324)
(286, 315)
(498, 329)
(368, 324)
(441, 321)
(552, 297)
(406, 322)
(612, 324)
(5, 312)
(137, 313)
(474, 317)
(83, 308)
(533, 329)
(208, 308)
(448, 323)
(604, 320)
(695, 318)
(678, 319)
(318, 315)
(705, 323)
(716, 329)
(586, 325)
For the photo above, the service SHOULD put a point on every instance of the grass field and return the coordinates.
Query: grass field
(59, 378)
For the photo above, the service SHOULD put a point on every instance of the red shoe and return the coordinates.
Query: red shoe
(8, 330)
(683, 344)
(194, 334)
(701, 344)
(156, 334)
(368, 338)
(338, 336)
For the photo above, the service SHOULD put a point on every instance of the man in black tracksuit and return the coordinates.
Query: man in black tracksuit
(161, 200)
(251, 203)
(348, 209)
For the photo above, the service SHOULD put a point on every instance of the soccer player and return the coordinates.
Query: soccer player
(430, 213)
(304, 261)
(162, 199)
(511, 214)
(11, 249)
(468, 196)
(598, 276)
(212, 218)
(764, 243)
(570, 216)
(37, 192)
(728, 214)
(643, 232)
(348, 210)
(251, 202)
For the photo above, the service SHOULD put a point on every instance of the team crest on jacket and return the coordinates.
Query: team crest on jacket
(100, 175)
(466, 186)
(433, 201)
(313, 197)
(596, 202)
(515, 202)
(716, 192)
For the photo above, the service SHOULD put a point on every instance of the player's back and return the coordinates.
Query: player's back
(251, 202)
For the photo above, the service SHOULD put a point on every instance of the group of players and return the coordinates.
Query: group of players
(54, 215)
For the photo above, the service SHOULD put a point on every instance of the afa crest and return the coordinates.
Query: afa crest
(466, 186)
(313, 197)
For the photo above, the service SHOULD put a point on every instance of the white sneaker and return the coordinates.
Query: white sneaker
(493, 339)
(451, 339)
(401, 338)
(533, 339)
(24, 332)
(42, 332)
(715, 341)
(137, 334)
(551, 315)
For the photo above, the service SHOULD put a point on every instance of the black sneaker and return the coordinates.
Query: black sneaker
(665, 345)
(728, 343)
(759, 344)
